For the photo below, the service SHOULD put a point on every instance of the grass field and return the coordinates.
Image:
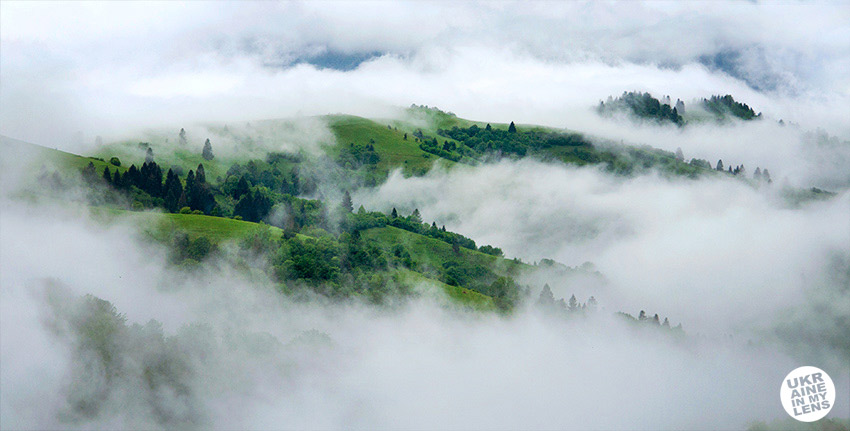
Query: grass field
(457, 295)
(165, 155)
(36, 156)
(434, 253)
(393, 149)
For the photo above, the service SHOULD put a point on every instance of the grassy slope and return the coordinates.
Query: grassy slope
(37, 156)
(220, 230)
(459, 295)
(165, 155)
(390, 145)
(434, 253)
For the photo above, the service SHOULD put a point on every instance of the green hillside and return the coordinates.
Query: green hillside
(15, 151)
(393, 149)
(433, 253)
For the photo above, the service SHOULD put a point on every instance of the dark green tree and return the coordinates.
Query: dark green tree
(242, 187)
(173, 191)
(416, 217)
(512, 128)
(89, 173)
(149, 155)
(107, 176)
(207, 152)
(346, 202)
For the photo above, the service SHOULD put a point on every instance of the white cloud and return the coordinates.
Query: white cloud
(541, 63)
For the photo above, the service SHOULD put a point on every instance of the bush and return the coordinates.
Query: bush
(115, 161)
(185, 210)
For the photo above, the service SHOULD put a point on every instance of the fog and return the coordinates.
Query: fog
(758, 283)
(699, 252)
(122, 66)
(705, 249)
(418, 366)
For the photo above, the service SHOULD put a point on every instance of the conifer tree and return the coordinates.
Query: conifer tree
(546, 298)
(346, 202)
(512, 128)
(207, 153)
(107, 176)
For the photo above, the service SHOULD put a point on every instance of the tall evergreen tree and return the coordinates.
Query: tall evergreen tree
(107, 176)
(572, 305)
(546, 298)
(512, 128)
(149, 155)
(242, 187)
(173, 191)
(394, 214)
(208, 152)
(200, 174)
(182, 135)
(89, 173)
(190, 190)
(346, 202)
(719, 166)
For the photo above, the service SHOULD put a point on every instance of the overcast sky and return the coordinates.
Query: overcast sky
(103, 67)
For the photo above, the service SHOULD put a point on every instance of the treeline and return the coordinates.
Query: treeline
(721, 106)
(145, 186)
(349, 264)
(362, 220)
(759, 175)
(643, 105)
(644, 319)
(546, 302)
(354, 156)
(475, 144)
(252, 192)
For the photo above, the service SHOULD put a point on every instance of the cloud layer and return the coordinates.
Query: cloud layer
(419, 366)
(122, 65)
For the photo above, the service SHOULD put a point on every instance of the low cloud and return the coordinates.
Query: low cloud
(706, 249)
(268, 362)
